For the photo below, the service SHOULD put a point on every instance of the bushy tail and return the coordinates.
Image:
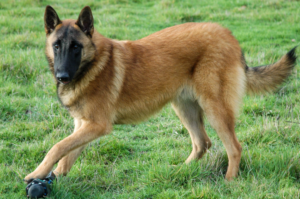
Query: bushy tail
(262, 79)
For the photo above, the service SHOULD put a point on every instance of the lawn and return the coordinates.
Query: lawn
(147, 160)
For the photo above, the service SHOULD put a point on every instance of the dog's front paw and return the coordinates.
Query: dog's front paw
(35, 175)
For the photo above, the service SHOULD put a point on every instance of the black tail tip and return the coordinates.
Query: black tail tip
(292, 55)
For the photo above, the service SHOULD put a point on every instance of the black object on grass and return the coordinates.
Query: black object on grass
(40, 188)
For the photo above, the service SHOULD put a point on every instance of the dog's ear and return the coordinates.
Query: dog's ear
(51, 19)
(85, 21)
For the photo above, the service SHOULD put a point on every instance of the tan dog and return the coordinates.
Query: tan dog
(198, 67)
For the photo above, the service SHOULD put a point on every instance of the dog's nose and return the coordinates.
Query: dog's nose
(63, 77)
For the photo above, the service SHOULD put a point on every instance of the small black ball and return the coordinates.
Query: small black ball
(36, 191)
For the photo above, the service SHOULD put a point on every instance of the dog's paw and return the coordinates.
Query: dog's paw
(34, 175)
(28, 181)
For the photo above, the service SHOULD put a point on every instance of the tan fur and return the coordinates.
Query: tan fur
(267, 78)
(198, 67)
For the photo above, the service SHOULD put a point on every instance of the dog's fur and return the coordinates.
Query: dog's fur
(198, 67)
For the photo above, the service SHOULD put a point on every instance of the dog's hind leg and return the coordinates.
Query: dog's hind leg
(222, 120)
(220, 93)
(190, 114)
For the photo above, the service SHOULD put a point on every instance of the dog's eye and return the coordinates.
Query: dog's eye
(75, 46)
(56, 46)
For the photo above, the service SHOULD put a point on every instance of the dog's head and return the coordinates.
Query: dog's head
(69, 45)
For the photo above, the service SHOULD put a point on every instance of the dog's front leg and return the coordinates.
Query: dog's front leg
(64, 165)
(87, 132)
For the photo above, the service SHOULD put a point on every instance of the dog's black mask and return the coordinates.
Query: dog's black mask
(67, 55)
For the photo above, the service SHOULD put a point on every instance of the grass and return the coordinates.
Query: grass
(146, 160)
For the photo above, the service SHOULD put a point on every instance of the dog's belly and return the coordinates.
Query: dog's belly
(140, 109)
(143, 108)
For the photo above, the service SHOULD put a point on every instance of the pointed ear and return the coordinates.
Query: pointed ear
(51, 19)
(85, 21)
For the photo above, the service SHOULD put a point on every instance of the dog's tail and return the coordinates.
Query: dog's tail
(263, 79)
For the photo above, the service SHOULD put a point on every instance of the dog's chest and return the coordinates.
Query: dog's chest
(67, 96)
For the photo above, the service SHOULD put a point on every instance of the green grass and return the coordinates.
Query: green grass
(146, 160)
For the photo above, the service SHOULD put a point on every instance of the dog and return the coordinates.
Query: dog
(197, 67)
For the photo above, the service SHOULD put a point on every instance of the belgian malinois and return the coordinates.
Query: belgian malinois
(198, 67)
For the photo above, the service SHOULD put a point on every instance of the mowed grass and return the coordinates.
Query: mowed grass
(146, 160)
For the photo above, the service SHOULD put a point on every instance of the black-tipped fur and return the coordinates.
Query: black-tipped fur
(292, 56)
(262, 79)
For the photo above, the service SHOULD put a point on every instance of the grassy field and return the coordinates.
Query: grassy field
(146, 160)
